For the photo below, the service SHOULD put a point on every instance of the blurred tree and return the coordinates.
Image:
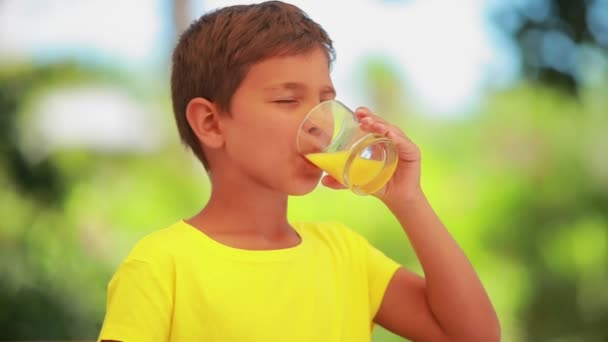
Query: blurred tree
(39, 180)
(551, 34)
(32, 299)
(550, 212)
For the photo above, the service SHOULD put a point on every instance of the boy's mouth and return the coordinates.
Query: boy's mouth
(309, 163)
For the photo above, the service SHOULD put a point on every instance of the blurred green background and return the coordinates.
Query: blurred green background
(90, 160)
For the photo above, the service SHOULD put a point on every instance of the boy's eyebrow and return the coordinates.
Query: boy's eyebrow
(298, 86)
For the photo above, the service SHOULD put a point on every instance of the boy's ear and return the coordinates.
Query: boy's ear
(204, 120)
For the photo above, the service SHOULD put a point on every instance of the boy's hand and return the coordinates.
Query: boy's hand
(405, 183)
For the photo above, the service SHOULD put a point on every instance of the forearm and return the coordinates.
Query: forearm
(454, 292)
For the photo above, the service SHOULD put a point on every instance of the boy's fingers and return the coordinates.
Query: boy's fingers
(363, 111)
(403, 142)
(381, 128)
(332, 183)
(367, 116)
(377, 124)
(373, 123)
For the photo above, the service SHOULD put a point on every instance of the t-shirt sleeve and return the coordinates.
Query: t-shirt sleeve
(139, 304)
(380, 270)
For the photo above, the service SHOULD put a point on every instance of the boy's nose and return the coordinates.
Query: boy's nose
(314, 137)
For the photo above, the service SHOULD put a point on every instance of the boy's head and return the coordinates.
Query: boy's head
(215, 55)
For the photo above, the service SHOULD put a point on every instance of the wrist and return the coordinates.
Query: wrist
(409, 199)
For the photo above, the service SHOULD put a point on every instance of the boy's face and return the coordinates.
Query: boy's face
(266, 112)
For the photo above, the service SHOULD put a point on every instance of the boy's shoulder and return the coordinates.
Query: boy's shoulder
(158, 244)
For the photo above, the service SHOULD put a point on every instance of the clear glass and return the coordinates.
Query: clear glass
(330, 138)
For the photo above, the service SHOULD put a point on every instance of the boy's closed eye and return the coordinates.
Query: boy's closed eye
(285, 101)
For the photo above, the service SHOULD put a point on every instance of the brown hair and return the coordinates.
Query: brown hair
(214, 54)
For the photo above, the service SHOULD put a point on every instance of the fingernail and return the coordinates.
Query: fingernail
(363, 110)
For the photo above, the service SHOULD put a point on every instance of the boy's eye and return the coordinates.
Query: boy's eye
(285, 101)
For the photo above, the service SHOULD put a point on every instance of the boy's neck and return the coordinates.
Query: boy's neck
(244, 208)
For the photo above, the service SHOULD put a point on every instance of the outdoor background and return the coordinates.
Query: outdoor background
(508, 101)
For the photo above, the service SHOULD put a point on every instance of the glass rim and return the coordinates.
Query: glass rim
(313, 109)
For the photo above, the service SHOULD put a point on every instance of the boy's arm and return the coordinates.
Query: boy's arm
(450, 303)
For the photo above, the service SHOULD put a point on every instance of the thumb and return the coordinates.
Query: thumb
(332, 183)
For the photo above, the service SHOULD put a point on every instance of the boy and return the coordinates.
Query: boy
(243, 78)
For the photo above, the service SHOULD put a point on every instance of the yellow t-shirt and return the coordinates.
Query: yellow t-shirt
(178, 284)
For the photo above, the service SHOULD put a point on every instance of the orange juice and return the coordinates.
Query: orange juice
(366, 175)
